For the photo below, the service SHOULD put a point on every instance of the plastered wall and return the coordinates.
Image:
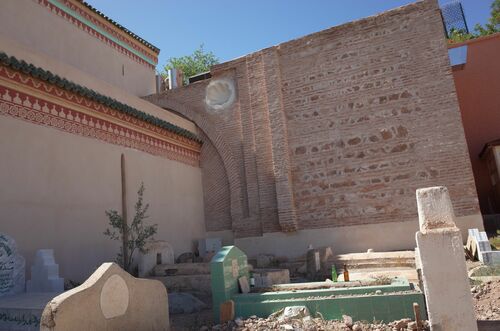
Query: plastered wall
(55, 188)
(40, 30)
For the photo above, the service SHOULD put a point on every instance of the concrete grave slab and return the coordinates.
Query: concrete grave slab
(270, 277)
(12, 267)
(442, 260)
(110, 299)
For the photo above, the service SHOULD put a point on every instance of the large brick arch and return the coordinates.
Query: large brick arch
(213, 135)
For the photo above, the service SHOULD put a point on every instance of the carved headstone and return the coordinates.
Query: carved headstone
(45, 273)
(157, 252)
(12, 266)
(110, 299)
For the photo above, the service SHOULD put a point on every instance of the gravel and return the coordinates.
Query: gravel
(487, 300)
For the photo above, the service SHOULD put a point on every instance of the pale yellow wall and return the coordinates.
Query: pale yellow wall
(55, 187)
(42, 31)
(13, 48)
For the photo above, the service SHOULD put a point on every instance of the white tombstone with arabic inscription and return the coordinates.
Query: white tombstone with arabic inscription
(12, 266)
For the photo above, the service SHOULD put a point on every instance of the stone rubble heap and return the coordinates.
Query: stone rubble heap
(309, 323)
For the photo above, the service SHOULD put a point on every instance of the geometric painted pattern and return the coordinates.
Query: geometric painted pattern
(93, 32)
(32, 100)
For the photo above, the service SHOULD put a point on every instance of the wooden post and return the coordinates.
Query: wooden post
(124, 216)
(418, 320)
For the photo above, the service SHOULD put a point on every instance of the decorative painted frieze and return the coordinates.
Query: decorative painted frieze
(45, 103)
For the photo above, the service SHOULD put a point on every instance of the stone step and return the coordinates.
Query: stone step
(186, 283)
(180, 269)
(377, 259)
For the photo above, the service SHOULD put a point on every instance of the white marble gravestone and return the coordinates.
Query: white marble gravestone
(157, 252)
(11, 267)
(209, 245)
(45, 273)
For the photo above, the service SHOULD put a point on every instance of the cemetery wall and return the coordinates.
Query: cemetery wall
(56, 187)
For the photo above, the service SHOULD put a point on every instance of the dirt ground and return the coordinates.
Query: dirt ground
(486, 298)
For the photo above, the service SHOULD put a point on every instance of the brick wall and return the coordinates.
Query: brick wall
(337, 128)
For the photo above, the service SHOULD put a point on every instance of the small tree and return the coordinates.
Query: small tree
(138, 232)
(190, 65)
(493, 26)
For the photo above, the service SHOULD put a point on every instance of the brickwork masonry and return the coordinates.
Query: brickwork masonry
(337, 128)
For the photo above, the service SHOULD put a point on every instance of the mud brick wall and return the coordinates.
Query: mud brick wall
(337, 128)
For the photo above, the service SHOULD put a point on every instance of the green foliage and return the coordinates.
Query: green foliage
(493, 26)
(138, 232)
(458, 36)
(196, 63)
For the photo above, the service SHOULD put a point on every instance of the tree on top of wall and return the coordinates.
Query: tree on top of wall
(198, 62)
(493, 26)
(138, 232)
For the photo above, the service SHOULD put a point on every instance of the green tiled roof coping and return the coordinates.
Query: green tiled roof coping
(121, 27)
(63, 83)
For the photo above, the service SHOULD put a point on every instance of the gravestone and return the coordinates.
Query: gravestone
(479, 246)
(319, 262)
(110, 299)
(12, 266)
(157, 252)
(45, 273)
(442, 263)
(226, 267)
(209, 245)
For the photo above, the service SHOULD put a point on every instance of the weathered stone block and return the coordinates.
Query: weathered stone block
(442, 259)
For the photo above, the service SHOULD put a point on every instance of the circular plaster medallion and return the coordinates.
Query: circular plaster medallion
(220, 94)
(114, 297)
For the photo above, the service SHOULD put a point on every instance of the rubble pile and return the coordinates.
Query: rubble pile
(309, 323)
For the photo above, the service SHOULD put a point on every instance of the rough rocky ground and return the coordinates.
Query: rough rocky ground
(487, 300)
(312, 324)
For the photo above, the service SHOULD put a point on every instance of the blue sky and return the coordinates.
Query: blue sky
(232, 28)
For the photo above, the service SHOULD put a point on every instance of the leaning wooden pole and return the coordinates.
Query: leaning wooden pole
(124, 216)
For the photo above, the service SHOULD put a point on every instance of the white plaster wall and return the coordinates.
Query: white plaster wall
(348, 239)
(55, 187)
(42, 31)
